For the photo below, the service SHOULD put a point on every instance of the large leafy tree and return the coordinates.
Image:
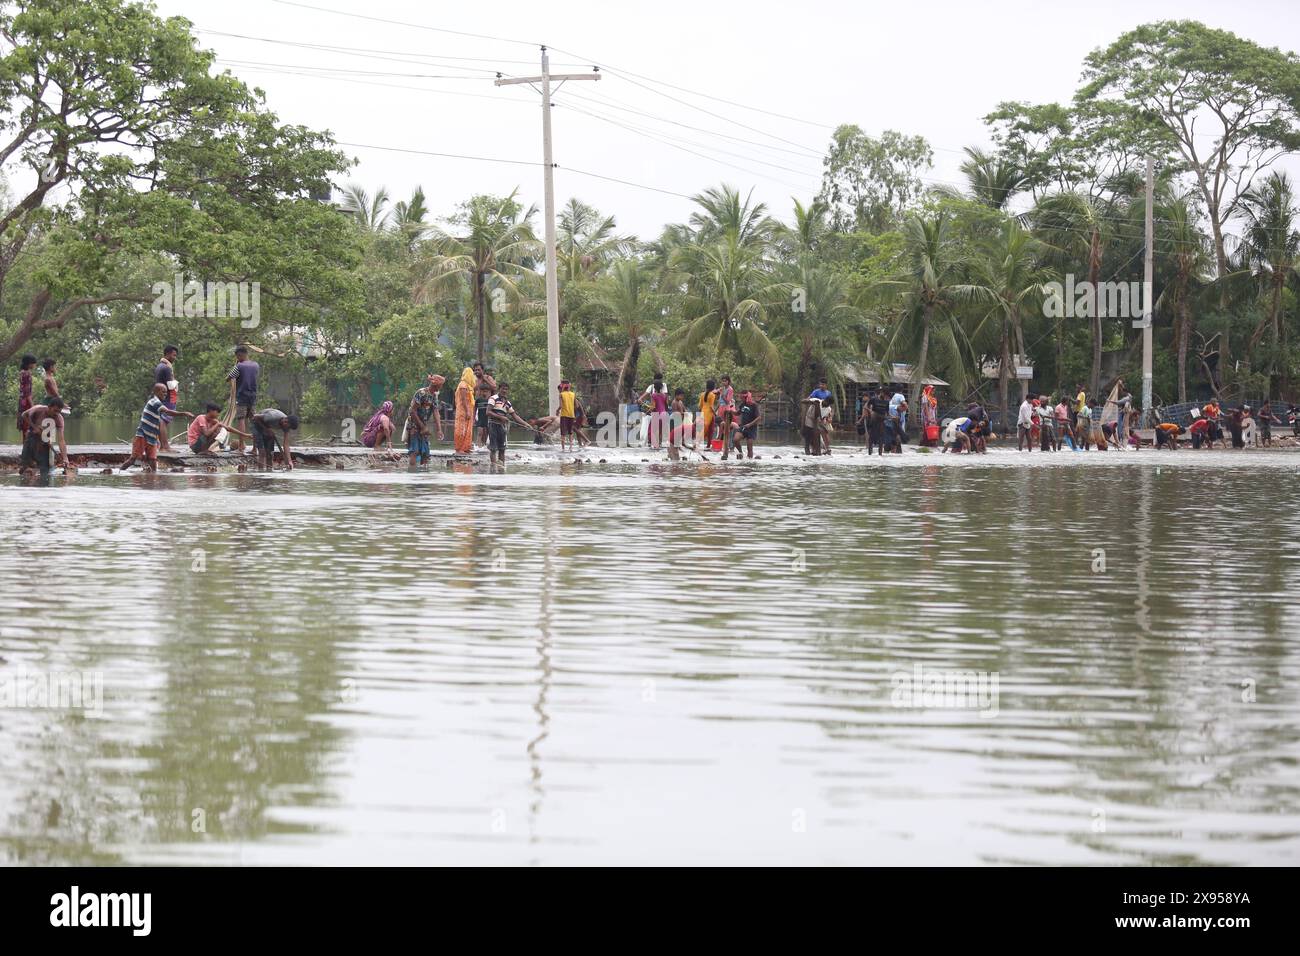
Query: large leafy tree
(1181, 243)
(134, 147)
(1227, 106)
(870, 183)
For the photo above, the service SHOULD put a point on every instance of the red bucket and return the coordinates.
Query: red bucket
(931, 432)
(716, 444)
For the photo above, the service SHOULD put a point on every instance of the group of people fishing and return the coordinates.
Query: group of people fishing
(44, 443)
(723, 419)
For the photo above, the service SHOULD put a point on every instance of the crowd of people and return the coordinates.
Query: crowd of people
(44, 442)
(723, 419)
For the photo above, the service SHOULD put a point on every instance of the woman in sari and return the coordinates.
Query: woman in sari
(464, 430)
(929, 415)
(379, 430)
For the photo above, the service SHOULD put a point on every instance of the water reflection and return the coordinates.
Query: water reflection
(659, 663)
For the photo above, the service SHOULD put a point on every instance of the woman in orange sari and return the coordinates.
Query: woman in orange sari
(464, 430)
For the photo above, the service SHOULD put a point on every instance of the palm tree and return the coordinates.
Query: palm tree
(408, 218)
(729, 289)
(586, 241)
(931, 292)
(1271, 244)
(821, 322)
(1008, 278)
(1182, 244)
(992, 179)
(368, 213)
(722, 211)
(627, 295)
(808, 232)
(495, 245)
(1079, 224)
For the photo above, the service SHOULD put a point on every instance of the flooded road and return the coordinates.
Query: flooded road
(1078, 659)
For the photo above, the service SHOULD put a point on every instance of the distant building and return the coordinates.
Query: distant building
(859, 380)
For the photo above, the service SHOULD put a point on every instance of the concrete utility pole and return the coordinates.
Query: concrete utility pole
(552, 284)
(1148, 293)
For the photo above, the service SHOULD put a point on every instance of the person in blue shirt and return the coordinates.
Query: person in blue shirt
(821, 391)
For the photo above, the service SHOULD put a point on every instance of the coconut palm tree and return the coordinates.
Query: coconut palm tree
(490, 243)
(806, 235)
(627, 295)
(931, 290)
(820, 321)
(1080, 226)
(729, 289)
(408, 218)
(1008, 279)
(586, 241)
(1184, 247)
(992, 180)
(369, 213)
(722, 211)
(1271, 244)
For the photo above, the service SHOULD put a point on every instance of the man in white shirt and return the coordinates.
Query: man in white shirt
(1024, 425)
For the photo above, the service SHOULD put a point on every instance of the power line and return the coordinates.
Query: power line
(667, 142)
(332, 69)
(372, 52)
(405, 23)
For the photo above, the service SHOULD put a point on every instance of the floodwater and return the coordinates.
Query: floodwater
(657, 663)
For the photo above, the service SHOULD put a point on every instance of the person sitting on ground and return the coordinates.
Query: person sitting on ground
(1167, 435)
(206, 428)
(269, 426)
(379, 430)
(43, 423)
(144, 448)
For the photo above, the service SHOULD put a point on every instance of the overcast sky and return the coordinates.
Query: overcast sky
(928, 68)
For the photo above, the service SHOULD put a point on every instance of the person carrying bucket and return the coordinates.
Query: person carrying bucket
(929, 417)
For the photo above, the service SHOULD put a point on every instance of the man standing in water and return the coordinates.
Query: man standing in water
(500, 414)
(1025, 425)
(44, 425)
(243, 391)
(751, 416)
(567, 411)
(164, 374)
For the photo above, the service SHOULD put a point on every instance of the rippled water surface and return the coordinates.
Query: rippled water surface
(655, 663)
